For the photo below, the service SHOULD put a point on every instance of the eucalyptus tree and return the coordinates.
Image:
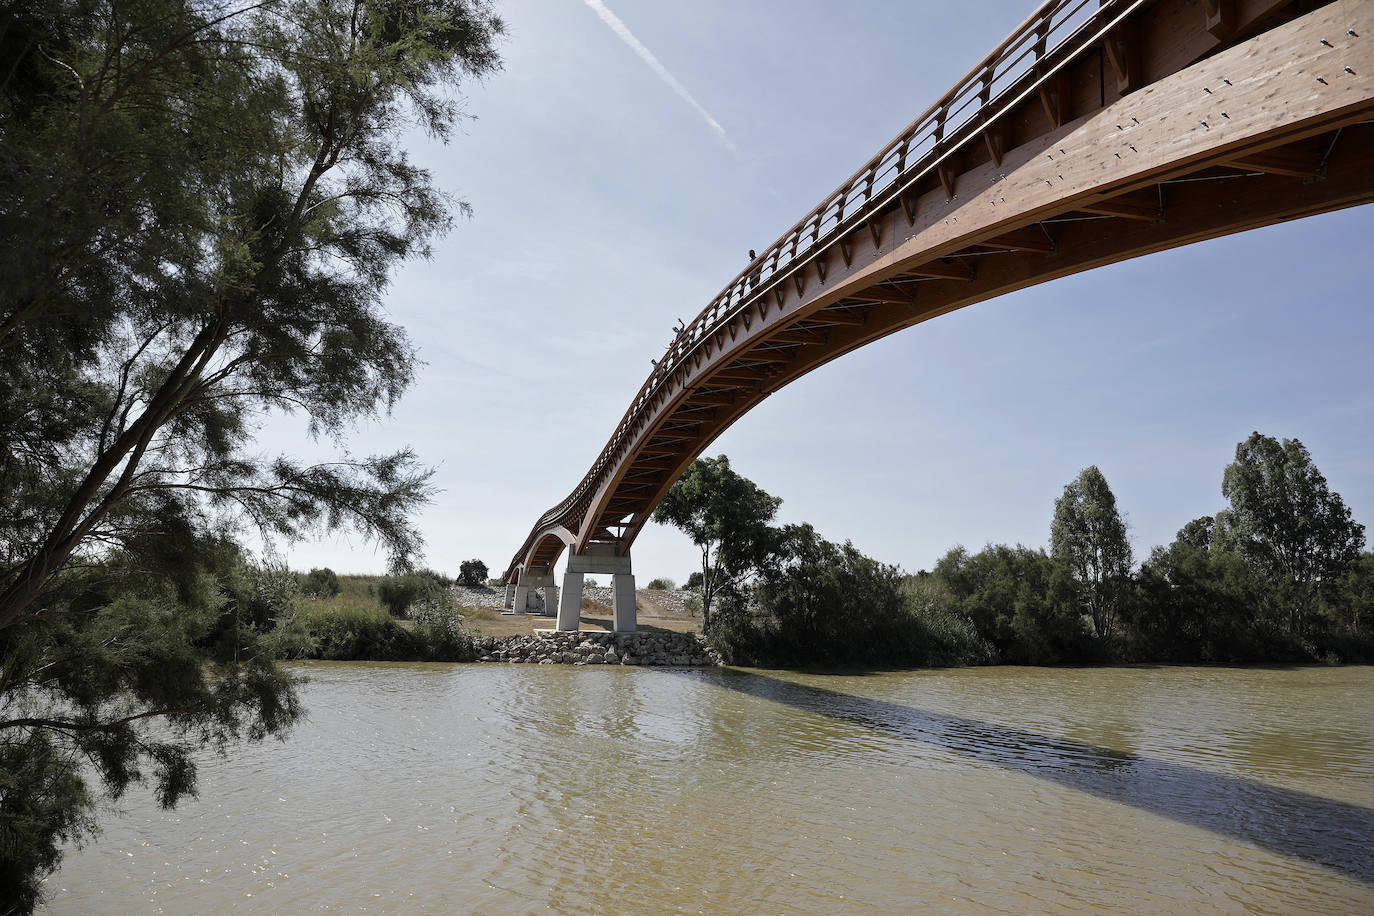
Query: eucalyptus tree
(1088, 535)
(1287, 523)
(727, 517)
(201, 202)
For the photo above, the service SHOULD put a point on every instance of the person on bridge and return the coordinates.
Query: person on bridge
(757, 270)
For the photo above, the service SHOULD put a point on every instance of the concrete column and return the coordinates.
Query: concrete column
(520, 599)
(510, 595)
(550, 599)
(623, 603)
(570, 605)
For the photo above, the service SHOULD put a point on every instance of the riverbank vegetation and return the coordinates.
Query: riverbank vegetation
(410, 617)
(1278, 575)
(203, 203)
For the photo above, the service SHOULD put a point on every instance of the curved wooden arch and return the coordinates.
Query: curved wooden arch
(1197, 121)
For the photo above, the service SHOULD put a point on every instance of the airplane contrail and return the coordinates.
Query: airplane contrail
(644, 54)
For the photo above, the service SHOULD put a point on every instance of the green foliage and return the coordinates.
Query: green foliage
(727, 517)
(439, 628)
(203, 204)
(256, 596)
(439, 579)
(1287, 524)
(824, 603)
(1347, 613)
(821, 603)
(737, 632)
(472, 572)
(661, 584)
(1088, 536)
(1350, 603)
(947, 636)
(1278, 577)
(694, 581)
(1199, 602)
(321, 583)
(206, 205)
(351, 633)
(356, 631)
(127, 677)
(399, 593)
(1019, 601)
(45, 804)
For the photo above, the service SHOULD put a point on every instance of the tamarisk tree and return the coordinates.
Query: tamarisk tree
(201, 202)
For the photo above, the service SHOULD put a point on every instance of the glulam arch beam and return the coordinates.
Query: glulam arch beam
(1209, 123)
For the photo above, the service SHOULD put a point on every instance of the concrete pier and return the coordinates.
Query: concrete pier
(570, 604)
(529, 580)
(600, 559)
(623, 603)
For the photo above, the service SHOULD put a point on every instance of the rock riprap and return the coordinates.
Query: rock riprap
(652, 602)
(480, 596)
(590, 647)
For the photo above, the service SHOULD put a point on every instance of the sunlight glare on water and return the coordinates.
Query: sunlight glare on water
(548, 789)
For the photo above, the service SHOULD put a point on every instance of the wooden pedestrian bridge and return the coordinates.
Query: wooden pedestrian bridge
(1099, 130)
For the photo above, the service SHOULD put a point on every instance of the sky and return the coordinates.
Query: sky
(630, 154)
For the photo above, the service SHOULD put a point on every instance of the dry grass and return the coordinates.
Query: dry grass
(357, 595)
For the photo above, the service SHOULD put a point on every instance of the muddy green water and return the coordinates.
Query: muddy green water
(546, 789)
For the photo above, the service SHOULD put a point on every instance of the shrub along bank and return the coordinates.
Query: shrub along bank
(354, 623)
(1280, 575)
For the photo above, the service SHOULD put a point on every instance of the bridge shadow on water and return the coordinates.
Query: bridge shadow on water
(1333, 834)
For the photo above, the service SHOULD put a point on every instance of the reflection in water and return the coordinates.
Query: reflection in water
(535, 789)
(1298, 824)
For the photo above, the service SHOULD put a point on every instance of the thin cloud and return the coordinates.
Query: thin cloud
(613, 21)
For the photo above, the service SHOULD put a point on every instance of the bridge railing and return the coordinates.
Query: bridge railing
(1057, 26)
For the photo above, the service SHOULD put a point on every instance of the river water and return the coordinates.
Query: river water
(547, 789)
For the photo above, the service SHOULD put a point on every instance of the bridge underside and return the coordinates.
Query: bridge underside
(1164, 123)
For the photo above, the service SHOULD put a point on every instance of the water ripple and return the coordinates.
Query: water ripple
(537, 789)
